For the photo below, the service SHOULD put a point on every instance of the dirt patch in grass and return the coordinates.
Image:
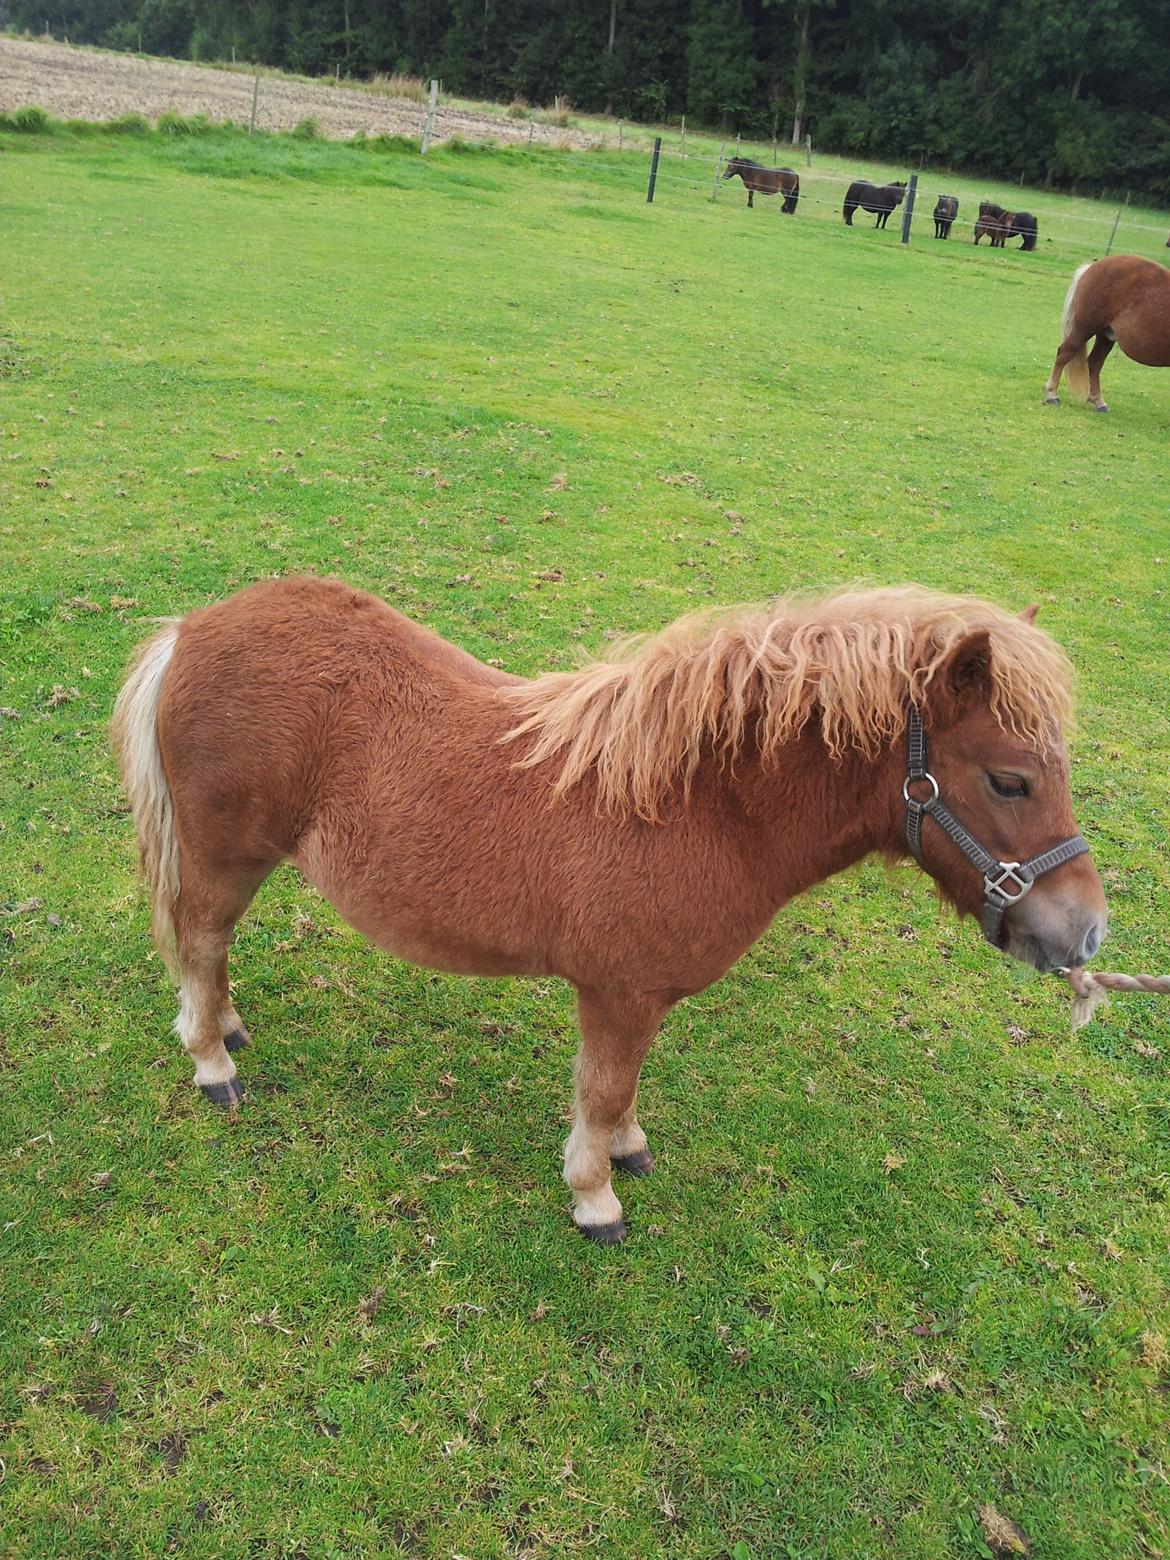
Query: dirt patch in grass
(89, 84)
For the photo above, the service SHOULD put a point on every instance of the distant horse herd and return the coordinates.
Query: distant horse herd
(1122, 300)
(881, 199)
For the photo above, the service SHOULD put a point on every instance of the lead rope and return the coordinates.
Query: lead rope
(1091, 988)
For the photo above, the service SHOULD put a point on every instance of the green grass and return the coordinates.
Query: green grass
(224, 359)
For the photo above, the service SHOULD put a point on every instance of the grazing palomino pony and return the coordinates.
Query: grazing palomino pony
(1122, 300)
(631, 827)
(946, 209)
(758, 180)
(879, 198)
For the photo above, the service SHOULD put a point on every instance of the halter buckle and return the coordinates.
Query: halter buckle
(1009, 873)
(931, 782)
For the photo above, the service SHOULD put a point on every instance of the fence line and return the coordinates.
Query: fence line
(669, 179)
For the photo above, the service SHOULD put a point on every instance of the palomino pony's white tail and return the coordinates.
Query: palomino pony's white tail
(135, 737)
(1077, 367)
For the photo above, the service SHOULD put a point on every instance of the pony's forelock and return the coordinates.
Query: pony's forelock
(852, 662)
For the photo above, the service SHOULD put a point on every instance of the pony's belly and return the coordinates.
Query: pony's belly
(426, 929)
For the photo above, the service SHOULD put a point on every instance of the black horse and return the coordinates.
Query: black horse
(946, 209)
(1022, 224)
(881, 198)
(758, 180)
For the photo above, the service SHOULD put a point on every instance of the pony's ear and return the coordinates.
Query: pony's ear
(966, 672)
(1028, 615)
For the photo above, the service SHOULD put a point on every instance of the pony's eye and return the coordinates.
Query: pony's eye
(1009, 785)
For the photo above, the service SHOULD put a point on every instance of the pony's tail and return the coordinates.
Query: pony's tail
(135, 739)
(1077, 367)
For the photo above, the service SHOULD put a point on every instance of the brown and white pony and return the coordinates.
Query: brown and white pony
(632, 827)
(1122, 300)
(758, 180)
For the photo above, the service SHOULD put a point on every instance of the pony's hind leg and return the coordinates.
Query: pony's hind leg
(1102, 347)
(616, 1033)
(210, 903)
(1070, 356)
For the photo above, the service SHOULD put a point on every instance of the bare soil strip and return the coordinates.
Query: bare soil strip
(75, 83)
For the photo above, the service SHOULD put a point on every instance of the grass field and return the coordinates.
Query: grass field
(905, 1254)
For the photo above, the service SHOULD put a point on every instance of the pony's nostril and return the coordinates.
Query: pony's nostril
(1091, 941)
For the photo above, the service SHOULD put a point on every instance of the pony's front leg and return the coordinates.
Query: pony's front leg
(616, 1032)
(628, 1149)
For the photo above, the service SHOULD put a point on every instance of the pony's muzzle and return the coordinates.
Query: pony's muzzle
(1055, 928)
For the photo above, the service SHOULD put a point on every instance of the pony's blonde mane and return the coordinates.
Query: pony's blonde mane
(852, 661)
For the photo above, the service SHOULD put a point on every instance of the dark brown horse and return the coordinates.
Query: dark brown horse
(879, 198)
(1020, 224)
(990, 224)
(759, 180)
(1122, 300)
(631, 827)
(999, 225)
(946, 209)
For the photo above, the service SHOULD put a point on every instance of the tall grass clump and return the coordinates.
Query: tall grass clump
(307, 130)
(559, 114)
(129, 124)
(393, 143)
(394, 85)
(28, 121)
(171, 123)
(517, 109)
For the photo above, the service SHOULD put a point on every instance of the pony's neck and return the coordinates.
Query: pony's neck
(812, 815)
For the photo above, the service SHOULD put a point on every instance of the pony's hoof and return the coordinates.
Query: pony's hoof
(633, 1164)
(228, 1096)
(237, 1040)
(1051, 400)
(1101, 407)
(604, 1234)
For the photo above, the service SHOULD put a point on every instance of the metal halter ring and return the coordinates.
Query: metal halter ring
(932, 798)
(1009, 873)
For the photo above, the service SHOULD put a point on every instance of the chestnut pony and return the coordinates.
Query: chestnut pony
(633, 826)
(1122, 300)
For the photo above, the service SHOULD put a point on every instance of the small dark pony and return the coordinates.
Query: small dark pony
(999, 225)
(946, 209)
(991, 224)
(758, 180)
(1020, 224)
(1123, 301)
(879, 198)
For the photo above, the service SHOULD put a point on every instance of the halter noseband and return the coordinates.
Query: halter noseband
(1004, 882)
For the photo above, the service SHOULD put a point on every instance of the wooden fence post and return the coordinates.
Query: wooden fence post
(654, 168)
(430, 121)
(619, 135)
(1116, 221)
(909, 209)
(808, 148)
(718, 170)
(684, 135)
(255, 96)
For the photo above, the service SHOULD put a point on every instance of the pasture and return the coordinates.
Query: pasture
(904, 1255)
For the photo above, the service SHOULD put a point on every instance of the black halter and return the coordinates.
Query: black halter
(1004, 882)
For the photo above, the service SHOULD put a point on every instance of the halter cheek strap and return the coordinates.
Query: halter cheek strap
(1004, 882)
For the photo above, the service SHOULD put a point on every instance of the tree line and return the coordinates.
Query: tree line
(1071, 93)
